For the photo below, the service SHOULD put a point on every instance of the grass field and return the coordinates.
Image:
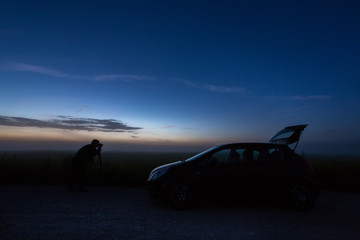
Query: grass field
(335, 173)
(52, 167)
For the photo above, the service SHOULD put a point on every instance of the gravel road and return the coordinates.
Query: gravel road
(49, 212)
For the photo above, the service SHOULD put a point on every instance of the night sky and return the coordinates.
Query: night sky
(178, 75)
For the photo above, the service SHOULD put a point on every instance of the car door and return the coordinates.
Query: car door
(265, 171)
(218, 172)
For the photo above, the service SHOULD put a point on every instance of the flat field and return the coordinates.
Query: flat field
(335, 173)
(53, 167)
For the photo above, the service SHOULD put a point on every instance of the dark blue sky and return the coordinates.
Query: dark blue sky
(179, 73)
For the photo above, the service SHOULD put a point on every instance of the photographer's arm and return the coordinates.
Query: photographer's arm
(99, 148)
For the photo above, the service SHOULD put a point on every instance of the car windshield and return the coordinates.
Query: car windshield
(200, 154)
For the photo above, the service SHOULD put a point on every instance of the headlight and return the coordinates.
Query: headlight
(158, 173)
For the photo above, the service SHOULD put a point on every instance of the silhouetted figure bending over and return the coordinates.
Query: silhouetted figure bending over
(81, 158)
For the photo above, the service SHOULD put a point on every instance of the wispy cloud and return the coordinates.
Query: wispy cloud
(190, 84)
(297, 98)
(70, 123)
(169, 126)
(296, 110)
(215, 88)
(312, 97)
(83, 108)
(250, 94)
(125, 78)
(223, 89)
(23, 67)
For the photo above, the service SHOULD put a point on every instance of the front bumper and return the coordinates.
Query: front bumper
(155, 190)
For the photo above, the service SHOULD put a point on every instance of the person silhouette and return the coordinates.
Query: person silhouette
(80, 160)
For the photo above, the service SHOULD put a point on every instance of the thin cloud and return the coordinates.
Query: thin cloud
(215, 88)
(167, 127)
(298, 97)
(83, 108)
(22, 67)
(70, 123)
(290, 110)
(125, 78)
(191, 84)
(223, 89)
(312, 97)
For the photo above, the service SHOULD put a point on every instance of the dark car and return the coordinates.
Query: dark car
(258, 171)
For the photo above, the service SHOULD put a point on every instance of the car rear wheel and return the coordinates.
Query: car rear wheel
(181, 196)
(302, 197)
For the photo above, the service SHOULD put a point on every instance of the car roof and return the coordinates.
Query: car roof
(252, 144)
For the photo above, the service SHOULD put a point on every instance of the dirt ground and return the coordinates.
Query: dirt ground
(50, 212)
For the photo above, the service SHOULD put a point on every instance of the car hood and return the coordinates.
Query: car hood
(288, 135)
(168, 165)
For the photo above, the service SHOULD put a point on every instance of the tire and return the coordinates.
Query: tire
(302, 197)
(181, 196)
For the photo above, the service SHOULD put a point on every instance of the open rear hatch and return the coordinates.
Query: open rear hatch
(289, 135)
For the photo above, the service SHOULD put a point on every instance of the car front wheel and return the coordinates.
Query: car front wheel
(181, 196)
(302, 197)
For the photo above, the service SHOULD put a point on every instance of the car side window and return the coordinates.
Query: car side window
(256, 155)
(241, 155)
(221, 157)
(236, 156)
(261, 155)
(276, 155)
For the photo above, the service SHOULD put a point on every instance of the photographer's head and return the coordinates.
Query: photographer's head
(96, 143)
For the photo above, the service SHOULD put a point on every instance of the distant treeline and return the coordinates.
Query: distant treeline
(335, 173)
